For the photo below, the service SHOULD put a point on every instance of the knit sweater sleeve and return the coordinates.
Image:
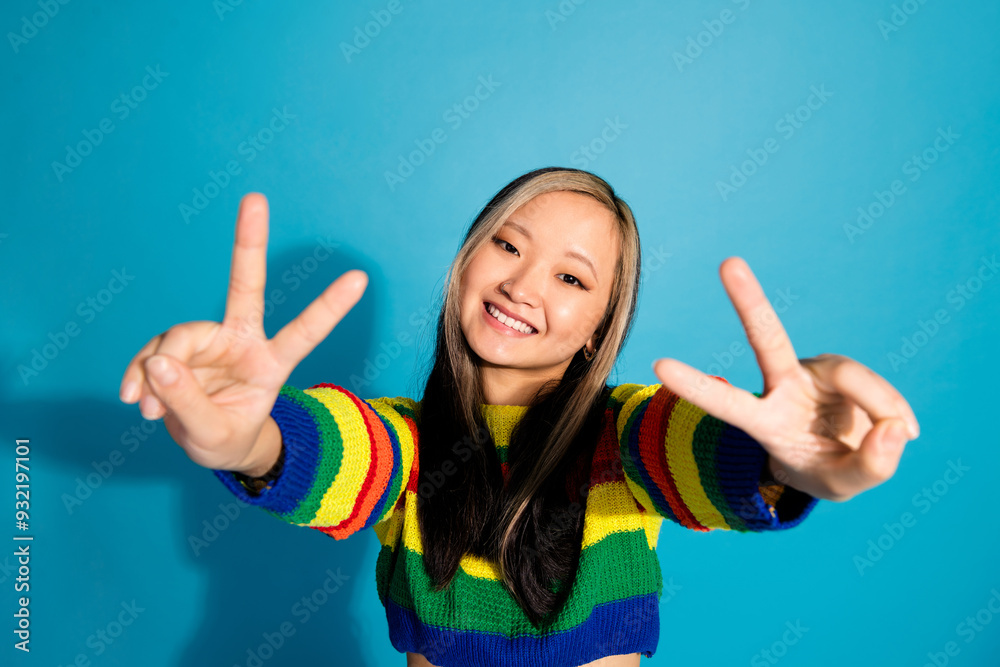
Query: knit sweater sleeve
(347, 460)
(687, 466)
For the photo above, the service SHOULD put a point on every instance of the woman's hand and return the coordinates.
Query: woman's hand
(226, 377)
(832, 426)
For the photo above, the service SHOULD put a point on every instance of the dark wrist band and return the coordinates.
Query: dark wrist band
(258, 484)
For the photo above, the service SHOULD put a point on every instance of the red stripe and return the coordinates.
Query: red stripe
(653, 450)
(607, 465)
(354, 521)
(411, 483)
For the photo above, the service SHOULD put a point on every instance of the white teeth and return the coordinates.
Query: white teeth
(517, 325)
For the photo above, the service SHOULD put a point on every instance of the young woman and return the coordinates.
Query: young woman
(518, 502)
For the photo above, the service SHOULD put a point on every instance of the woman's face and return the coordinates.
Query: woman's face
(557, 254)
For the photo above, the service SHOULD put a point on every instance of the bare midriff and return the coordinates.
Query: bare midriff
(627, 660)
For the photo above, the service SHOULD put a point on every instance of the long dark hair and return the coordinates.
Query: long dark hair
(532, 527)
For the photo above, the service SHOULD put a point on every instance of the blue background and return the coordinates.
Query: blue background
(560, 73)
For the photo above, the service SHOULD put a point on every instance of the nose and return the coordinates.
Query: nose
(522, 287)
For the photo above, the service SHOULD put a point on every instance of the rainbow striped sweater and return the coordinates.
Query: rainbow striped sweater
(352, 464)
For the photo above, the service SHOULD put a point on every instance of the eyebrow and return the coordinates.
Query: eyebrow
(569, 253)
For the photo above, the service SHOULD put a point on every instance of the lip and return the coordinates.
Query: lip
(501, 326)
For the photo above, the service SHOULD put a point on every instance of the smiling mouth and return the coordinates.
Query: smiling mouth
(509, 322)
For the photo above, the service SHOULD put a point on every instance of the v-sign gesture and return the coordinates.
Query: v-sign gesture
(215, 384)
(832, 426)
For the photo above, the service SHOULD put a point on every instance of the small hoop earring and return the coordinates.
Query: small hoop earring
(502, 290)
(587, 356)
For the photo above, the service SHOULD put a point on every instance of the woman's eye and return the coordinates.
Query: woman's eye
(503, 243)
(575, 281)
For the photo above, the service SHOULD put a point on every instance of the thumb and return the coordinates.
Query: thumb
(181, 394)
(882, 448)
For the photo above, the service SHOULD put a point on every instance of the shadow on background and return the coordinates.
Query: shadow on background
(259, 569)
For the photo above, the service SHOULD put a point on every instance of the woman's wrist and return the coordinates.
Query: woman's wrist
(271, 452)
(768, 476)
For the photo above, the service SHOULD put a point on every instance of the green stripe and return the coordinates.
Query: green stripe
(706, 442)
(628, 463)
(402, 473)
(330, 459)
(383, 568)
(402, 408)
(593, 586)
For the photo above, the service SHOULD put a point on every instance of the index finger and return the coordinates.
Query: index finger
(771, 344)
(248, 270)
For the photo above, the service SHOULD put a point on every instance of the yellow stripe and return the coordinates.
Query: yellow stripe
(501, 420)
(411, 529)
(340, 498)
(630, 395)
(386, 408)
(652, 522)
(479, 567)
(640, 495)
(679, 446)
(388, 529)
(610, 509)
(680, 458)
(476, 566)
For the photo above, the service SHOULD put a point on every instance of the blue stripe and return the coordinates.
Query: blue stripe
(301, 440)
(739, 462)
(397, 457)
(654, 491)
(624, 626)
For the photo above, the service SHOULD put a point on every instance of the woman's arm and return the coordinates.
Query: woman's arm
(687, 466)
(832, 426)
(346, 462)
